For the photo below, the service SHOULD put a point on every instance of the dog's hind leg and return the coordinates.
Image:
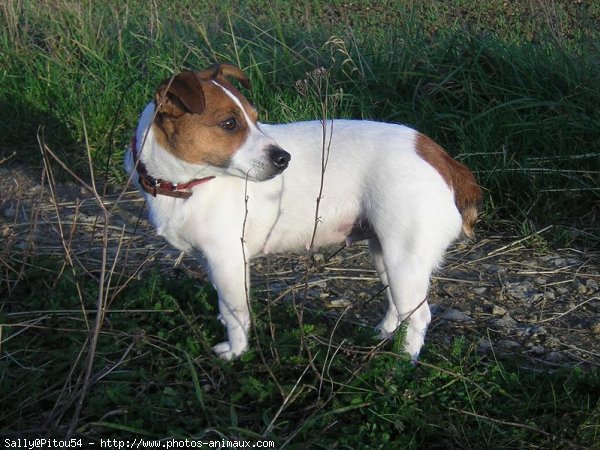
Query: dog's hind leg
(390, 322)
(407, 271)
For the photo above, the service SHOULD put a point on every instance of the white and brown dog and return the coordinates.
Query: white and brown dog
(209, 170)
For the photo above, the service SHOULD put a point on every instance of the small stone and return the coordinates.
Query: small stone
(318, 257)
(508, 344)
(559, 262)
(435, 309)
(479, 290)
(535, 297)
(34, 189)
(490, 268)
(520, 291)
(505, 321)
(534, 331)
(547, 258)
(537, 350)
(595, 328)
(10, 212)
(494, 269)
(484, 345)
(554, 356)
(498, 310)
(562, 290)
(552, 342)
(455, 315)
(320, 284)
(276, 288)
(339, 303)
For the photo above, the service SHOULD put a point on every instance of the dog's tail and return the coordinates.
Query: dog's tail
(467, 193)
(467, 196)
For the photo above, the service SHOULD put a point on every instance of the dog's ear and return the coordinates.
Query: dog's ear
(180, 94)
(223, 71)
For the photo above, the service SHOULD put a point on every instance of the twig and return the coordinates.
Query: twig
(247, 292)
(50, 313)
(337, 322)
(518, 241)
(550, 319)
(517, 425)
(85, 380)
(286, 401)
(9, 157)
(318, 76)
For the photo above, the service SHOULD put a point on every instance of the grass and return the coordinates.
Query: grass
(155, 378)
(509, 89)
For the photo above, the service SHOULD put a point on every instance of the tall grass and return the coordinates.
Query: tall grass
(511, 93)
(519, 107)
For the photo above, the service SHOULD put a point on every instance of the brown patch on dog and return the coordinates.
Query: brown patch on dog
(191, 109)
(467, 193)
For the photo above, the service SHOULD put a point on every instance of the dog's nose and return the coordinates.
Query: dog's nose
(279, 157)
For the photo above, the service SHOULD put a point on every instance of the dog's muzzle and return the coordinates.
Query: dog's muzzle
(278, 157)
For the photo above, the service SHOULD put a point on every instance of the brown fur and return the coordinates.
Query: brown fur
(467, 193)
(190, 109)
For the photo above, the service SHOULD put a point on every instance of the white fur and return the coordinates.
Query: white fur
(373, 173)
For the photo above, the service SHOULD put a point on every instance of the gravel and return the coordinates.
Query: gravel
(501, 293)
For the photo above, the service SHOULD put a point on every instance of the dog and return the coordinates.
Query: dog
(223, 187)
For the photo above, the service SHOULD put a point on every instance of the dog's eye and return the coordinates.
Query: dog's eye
(229, 124)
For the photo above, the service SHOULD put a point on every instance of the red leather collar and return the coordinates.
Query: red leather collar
(157, 186)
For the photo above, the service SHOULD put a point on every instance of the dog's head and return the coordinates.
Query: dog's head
(201, 118)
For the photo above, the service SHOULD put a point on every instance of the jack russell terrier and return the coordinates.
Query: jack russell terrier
(215, 179)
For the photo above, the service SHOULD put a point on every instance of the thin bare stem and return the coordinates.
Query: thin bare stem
(247, 293)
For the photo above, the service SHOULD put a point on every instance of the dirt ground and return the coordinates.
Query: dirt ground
(503, 293)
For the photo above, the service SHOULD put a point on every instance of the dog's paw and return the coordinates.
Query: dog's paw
(224, 351)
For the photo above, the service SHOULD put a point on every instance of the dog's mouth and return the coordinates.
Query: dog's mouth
(267, 164)
(277, 161)
(265, 172)
(259, 172)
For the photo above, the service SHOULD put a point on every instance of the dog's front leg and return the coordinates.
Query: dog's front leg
(230, 278)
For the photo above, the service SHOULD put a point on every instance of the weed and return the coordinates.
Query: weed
(89, 347)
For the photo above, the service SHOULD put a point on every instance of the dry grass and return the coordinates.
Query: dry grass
(94, 239)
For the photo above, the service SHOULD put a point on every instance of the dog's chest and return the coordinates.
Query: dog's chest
(171, 220)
